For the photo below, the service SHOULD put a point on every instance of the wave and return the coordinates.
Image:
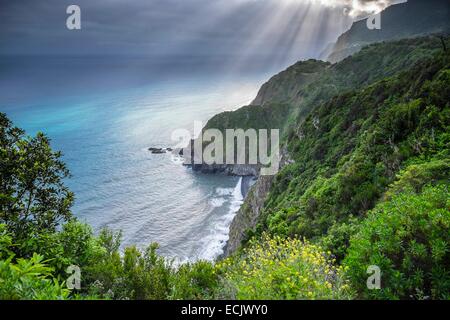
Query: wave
(217, 202)
(214, 243)
(225, 191)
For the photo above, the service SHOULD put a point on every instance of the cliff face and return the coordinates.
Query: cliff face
(269, 116)
(406, 20)
(242, 170)
(247, 216)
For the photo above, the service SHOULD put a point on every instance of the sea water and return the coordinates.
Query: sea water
(104, 113)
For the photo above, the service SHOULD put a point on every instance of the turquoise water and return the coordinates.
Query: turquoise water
(105, 114)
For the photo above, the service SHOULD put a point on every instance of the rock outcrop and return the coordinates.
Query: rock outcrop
(232, 170)
(247, 216)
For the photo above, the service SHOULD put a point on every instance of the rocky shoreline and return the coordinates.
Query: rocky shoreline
(155, 150)
(247, 183)
(254, 189)
(247, 215)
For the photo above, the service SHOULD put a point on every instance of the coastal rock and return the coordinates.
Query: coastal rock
(241, 170)
(154, 150)
(157, 150)
(247, 216)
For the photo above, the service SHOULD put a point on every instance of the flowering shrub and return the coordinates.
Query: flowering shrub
(277, 268)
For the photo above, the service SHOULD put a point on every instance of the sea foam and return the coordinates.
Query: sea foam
(214, 243)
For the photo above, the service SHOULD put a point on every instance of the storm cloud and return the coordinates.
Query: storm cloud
(282, 28)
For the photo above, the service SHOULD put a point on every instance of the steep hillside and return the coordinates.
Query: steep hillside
(348, 150)
(310, 82)
(406, 20)
(289, 96)
(321, 154)
(384, 145)
(285, 85)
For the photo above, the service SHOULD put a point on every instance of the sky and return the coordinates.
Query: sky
(280, 28)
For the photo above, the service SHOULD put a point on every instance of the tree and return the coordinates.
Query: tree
(33, 197)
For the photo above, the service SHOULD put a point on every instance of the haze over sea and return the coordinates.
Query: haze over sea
(104, 113)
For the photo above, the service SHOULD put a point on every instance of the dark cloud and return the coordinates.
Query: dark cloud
(169, 27)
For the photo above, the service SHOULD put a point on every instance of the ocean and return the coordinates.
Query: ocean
(104, 113)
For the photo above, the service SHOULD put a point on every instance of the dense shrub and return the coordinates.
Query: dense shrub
(29, 279)
(408, 237)
(349, 150)
(106, 271)
(194, 281)
(144, 275)
(277, 268)
(26, 278)
(417, 175)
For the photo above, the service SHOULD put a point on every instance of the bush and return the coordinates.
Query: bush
(277, 268)
(408, 237)
(29, 279)
(5, 242)
(144, 275)
(73, 244)
(417, 175)
(194, 281)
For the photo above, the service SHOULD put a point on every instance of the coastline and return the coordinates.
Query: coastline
(247, 183)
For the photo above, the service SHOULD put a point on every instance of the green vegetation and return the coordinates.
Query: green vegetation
(39, 238)
(29, 279)
(346, 156)
(408, 238)
(33, 198)
(106, 273)
(384, 132)
(286, 99)
(279, 268)
(367, 185)
(137, 274)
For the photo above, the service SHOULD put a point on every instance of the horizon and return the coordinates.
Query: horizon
(286, 31)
